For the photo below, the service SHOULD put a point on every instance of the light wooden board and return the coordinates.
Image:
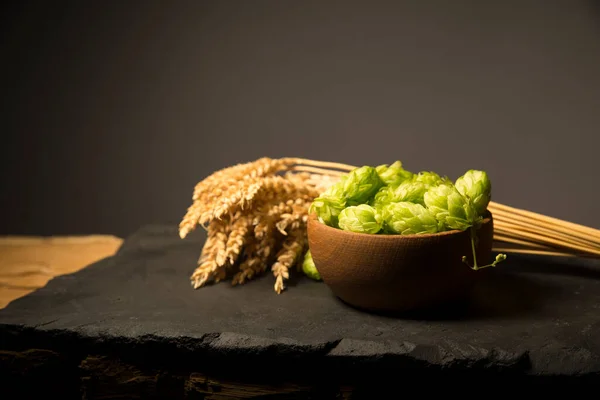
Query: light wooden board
(28, 263)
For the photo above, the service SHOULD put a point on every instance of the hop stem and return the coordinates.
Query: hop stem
(499, 258)
(473, 233)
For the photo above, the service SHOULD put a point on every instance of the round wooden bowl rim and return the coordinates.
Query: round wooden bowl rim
(384, 236)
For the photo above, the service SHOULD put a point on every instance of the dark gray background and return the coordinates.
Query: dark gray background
(113, 110)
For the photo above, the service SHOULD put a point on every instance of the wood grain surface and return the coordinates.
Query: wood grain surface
(28, 263)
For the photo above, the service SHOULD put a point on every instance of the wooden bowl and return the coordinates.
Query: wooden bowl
(398, 273)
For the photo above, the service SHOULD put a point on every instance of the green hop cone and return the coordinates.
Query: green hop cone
(382, 197)
(361, 219)
(329, 204)
(410, 191)
(429, 178)
(309, 268)
(337, 189)
(450, 207)
(393, 175)
(328, 209)
(409, 219)
(360, 185)
(476, 186)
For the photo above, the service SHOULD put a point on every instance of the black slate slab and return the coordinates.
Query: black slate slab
(532, 317)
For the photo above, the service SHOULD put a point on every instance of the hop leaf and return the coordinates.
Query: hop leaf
(409, 219)
(394, 174)
(362, 219)
(476, 186)
(361, 185)
(309, 268)
(450, 207)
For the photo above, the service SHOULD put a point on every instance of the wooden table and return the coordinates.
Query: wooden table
(28, 263)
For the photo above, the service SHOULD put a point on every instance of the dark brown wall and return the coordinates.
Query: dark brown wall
(113, 110)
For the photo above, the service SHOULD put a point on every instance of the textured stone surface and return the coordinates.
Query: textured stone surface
(532, 317)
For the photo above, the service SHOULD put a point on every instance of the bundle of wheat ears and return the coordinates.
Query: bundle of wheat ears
(255, 215)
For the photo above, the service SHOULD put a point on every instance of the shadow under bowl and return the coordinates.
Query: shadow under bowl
(398, 273)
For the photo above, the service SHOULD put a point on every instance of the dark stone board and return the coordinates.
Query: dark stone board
(531, 318)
